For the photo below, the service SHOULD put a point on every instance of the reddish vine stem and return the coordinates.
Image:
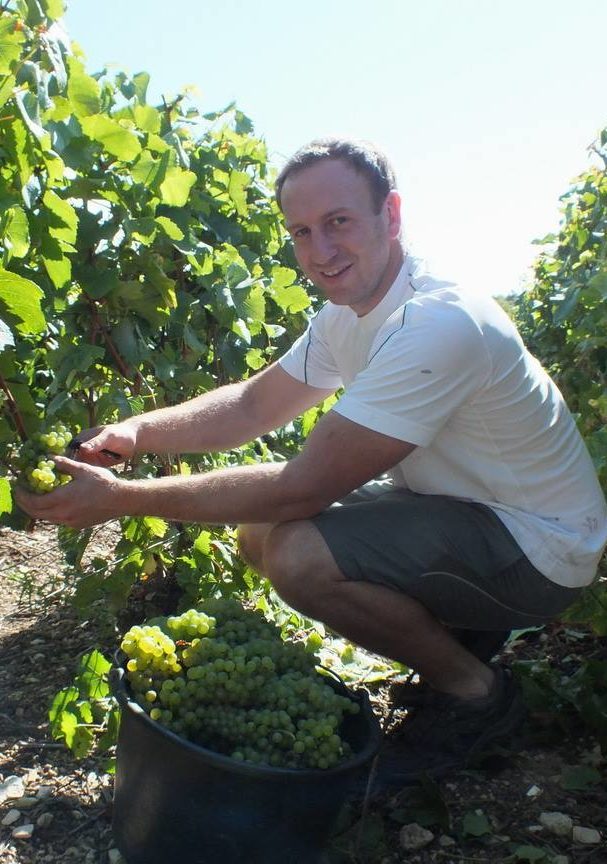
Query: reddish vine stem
(134, 378)
(13, 409)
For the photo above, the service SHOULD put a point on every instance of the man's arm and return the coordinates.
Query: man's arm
(218, 420)
(340, 455)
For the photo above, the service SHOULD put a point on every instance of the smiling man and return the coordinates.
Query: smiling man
(488, 515)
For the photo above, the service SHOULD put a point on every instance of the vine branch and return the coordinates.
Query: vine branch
(13, 409)
(134, 377)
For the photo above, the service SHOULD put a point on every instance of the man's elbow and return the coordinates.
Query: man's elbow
(303, 498)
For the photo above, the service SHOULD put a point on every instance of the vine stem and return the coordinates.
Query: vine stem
(13, 409)
(134, 379)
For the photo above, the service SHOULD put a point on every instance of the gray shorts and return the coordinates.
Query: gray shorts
(455, 557)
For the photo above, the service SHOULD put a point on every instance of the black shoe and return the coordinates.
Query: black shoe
(483, 644)
(444, 733)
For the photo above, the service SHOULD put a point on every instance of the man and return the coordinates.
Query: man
(493, 517)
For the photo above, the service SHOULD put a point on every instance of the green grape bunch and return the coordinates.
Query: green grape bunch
(34, 466)
(223, 677)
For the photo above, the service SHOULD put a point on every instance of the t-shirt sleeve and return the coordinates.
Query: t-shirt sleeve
(422, 368)
(310, 359)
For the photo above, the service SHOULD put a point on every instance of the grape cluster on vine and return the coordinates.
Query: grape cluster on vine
(39, 472)
(223, 677)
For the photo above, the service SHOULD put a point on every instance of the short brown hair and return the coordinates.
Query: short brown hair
(364, 156)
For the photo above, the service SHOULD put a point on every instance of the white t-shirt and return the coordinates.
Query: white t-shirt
(448, 372)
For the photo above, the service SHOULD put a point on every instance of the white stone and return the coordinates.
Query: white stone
(533, 792)
(114, 857)
(414, 836)
(23, 832)
(557, 823)
(11, 788)
(560, 859)
(11, 817)
(444, 840)
(588, 836)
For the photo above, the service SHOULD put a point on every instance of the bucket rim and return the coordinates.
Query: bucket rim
(120, 688)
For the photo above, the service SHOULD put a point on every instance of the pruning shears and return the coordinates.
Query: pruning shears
(75, 445)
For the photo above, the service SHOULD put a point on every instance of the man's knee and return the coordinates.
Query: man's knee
(251, 542)
(300, 566)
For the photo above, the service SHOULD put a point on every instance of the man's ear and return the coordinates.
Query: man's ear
(392, 210)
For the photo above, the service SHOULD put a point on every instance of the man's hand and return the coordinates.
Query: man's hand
(96, 446)
(92, 497)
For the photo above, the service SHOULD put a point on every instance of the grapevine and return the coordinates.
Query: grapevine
(222, 677)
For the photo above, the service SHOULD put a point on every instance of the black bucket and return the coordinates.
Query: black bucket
(176, 801)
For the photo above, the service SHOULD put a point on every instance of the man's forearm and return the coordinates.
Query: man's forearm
(218, 420)
(253, 493)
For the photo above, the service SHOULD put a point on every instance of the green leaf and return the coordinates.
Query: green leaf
(147, 170)
(85, 711)
(282, 277)
(292, 299)
(82, 90)
(91, 679)
(250, 302)
(203, 543)
(143, 230)
(237, 185)
(120, 142)
(58, 266)
(170, 228)
(10, 43)
(192, 341)
(53, 9)
(6, 87)
(28, 108)
(255, 358)
(141, 82)
(599, 283)
(176, 186)
(147, 118)
(16, 232)
(21, 298)
(475, 824)
(63, 224)
(81, 742)
(79, 359)
(6, 498)
(579, 777)
(156, 526)
(67, 725)
(68, 697)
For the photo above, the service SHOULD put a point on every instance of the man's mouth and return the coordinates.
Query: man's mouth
(335, 272)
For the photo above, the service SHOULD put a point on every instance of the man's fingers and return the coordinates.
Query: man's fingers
(69, 466)
(110, 454)
(35, 505)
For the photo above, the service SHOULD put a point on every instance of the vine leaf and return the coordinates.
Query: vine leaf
(6, 499)
(21, 298)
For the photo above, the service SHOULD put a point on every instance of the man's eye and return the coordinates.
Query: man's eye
(299, 233)
(339, 220)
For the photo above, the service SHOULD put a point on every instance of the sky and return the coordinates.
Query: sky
(486, 108)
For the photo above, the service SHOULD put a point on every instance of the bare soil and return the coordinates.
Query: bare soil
(489, 814)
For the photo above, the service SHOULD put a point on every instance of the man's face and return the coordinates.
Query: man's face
(347, 249)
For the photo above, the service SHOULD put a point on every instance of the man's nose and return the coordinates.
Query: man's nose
(323, 248)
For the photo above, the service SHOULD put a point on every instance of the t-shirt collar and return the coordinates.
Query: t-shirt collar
(398, 293)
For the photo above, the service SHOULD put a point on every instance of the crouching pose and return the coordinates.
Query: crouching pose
(446, 498)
